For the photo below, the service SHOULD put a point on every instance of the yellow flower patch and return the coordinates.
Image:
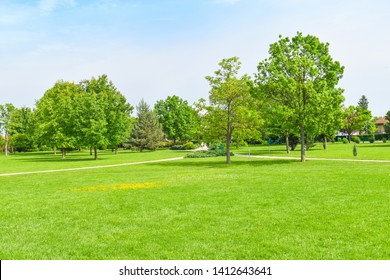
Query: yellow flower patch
(114, 187)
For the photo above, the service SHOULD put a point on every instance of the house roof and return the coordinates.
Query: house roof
(381, 121)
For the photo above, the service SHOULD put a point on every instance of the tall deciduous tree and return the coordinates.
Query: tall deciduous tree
(147, 131)
(301, 76)
(230, 103)
(56, 116)
(106, 115)
(22, 128)
(176, 117)
(5, 122)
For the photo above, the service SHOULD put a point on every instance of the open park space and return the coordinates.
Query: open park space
(197, 208)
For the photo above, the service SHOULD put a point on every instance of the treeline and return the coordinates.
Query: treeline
(293, 97)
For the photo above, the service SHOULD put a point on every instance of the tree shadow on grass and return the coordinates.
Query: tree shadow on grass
(50, 157)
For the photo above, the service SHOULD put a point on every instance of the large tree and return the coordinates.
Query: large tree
(232, 108)
(302, 77)
(147, 131)
(6, 112)
(105, 118)
(22, 128)
(176, 117)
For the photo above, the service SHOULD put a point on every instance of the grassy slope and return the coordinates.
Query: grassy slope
(199, 209)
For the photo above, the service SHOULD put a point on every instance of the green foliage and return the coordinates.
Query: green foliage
(363, 102)
(301, 77)
(177, 118)
(93, 113)
(355, 153)
(177, 147)
(208, 153)
(371, 139)
(345, 141)
(232, 112)
(384, 140)
(147, 132)
(189, 146)
(355, 139)
(356, 118)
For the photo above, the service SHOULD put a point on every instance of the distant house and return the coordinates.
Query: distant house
(380, 125)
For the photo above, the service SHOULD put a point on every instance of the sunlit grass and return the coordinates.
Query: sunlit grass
(198, 209)
(376, 151)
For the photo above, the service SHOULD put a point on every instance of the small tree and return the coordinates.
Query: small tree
(355, 150)
(147, 131)
(232, 109)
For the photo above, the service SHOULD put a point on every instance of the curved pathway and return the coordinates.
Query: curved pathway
(88, 167)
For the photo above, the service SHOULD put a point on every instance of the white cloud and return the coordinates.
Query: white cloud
(48, 6)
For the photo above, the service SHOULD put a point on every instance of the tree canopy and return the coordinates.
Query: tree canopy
(232, 110)
(301, 76)
(177, 118)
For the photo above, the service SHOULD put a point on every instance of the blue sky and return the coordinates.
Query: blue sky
(152, 49)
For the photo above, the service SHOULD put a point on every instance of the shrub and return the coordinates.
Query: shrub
(189, 146)
(177, 147)
(345, 140)
(355, 150)
(371, 139)
(384, 140)
(355, 139)
(209, 153)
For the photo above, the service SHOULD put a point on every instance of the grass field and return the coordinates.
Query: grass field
(197, 208)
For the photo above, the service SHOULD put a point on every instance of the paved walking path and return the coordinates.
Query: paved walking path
(87, 167)
(329, 159)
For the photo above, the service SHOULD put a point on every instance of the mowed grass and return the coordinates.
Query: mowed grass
(197, 209)
(366, 151)
(25, 162)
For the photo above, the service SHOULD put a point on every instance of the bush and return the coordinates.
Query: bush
(355, 139)
(384, 140)
(209, 153)
(189, 146)
(165, 144)
(345, 141)
(371, 139)
(355, 150)
(177, 147)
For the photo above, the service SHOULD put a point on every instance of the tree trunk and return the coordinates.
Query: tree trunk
(96, 154)
(325, 143)
(55, 150)
(63, 152)
(90, 150)
(302, 144)
(287, 144)
(6, 145)
(116, 150)
(228, 161)
(228, 140)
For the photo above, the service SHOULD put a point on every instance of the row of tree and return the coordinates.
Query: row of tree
(294, 94)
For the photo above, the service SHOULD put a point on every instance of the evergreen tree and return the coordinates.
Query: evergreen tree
(363, 102)
(147, 131)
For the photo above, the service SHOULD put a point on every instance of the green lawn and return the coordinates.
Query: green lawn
(375, 151)
(195, 208)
